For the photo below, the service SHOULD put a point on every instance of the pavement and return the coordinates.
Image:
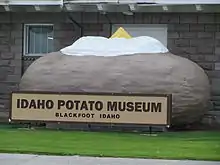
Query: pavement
(24, 159)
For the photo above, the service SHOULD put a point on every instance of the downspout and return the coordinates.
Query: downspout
(73, 21)
(109, 20)
(110, 24)
(77, 24)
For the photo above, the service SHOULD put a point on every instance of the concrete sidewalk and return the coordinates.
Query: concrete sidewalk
(21, 159)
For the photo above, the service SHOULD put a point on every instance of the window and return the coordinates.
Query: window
(38, 38)
(153, 30)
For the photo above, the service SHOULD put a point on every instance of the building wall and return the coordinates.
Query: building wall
(195, 36)
(10, 63)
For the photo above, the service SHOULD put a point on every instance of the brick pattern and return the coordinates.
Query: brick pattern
(64, 35)
(199, 41)
(195, 36)
(10, 63)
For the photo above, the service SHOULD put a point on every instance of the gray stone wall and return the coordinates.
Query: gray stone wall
(10, 63)
(195, 36)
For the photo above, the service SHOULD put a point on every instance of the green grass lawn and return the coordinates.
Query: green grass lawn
(179, 145)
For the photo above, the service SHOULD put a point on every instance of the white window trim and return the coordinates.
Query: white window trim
(25, 38)
(142, 26)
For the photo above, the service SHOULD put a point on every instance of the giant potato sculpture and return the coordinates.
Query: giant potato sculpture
(151, 73)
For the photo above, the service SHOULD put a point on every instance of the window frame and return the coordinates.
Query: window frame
(25, 37)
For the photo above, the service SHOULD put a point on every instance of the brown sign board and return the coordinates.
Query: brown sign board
(91, 108)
